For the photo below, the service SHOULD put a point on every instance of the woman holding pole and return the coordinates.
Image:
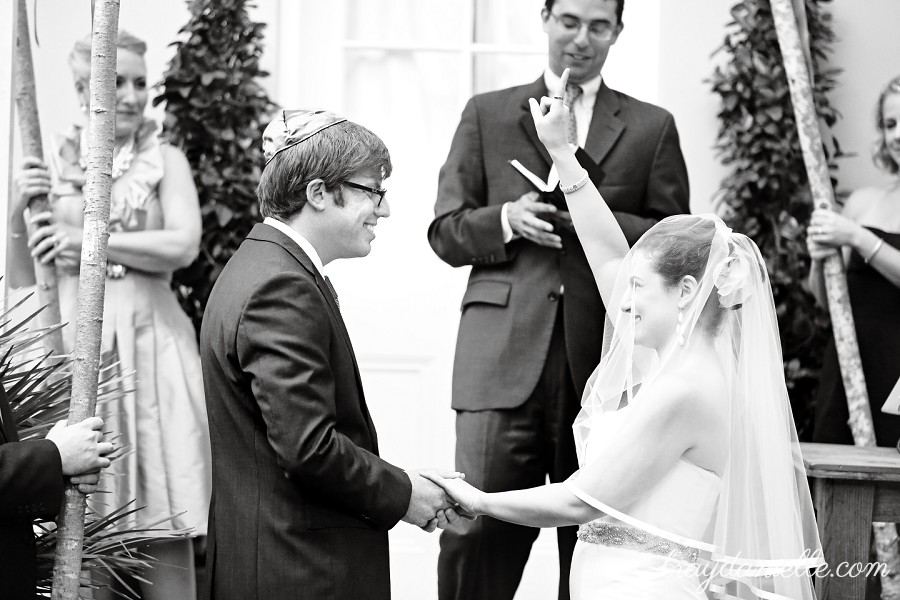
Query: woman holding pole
(867, 232)
(154, 229)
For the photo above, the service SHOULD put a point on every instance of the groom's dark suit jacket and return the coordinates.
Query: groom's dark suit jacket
(301, 501)
(31, 486)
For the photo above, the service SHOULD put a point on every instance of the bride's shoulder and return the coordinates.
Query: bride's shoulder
(671, 393)
(690, 390)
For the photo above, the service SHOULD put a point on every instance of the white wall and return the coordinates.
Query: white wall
(868, 52)
(693, 30)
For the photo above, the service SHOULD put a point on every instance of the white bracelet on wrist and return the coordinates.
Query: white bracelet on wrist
(874, 251)
(568, 189)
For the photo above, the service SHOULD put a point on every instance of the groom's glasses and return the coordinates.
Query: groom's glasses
(369, 190)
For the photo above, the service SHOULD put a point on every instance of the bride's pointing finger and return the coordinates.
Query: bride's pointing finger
(563, 82)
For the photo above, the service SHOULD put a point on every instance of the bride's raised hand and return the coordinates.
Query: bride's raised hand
(468, 498)
(551, 117)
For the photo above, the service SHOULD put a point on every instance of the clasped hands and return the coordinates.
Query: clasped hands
(440, 499)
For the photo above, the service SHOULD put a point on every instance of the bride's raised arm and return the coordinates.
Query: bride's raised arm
(600, 235)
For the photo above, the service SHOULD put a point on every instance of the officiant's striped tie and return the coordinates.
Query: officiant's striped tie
(573, 93)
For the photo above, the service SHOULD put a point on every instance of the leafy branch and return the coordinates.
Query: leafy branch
(766, 196)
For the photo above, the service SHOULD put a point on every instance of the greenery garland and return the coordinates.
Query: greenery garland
(767, 194)
(215, 111)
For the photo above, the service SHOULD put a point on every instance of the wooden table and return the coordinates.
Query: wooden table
(853, 487)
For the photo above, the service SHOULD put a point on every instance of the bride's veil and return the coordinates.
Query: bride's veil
(763, 538)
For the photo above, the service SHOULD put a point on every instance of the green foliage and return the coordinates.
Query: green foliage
(767, 194)
(214, 112)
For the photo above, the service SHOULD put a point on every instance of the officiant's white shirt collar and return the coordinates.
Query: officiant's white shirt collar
(301, 241)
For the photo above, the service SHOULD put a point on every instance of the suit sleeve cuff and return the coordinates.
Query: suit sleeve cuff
(504, 224)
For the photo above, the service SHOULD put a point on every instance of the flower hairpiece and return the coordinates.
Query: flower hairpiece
(732, 276)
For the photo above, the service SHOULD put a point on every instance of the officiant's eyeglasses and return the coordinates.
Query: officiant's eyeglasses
(602, 31)
(369, 190)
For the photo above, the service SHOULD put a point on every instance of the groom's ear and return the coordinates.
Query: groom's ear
(316, 195)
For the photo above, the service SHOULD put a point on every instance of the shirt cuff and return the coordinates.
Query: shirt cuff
(504, 224)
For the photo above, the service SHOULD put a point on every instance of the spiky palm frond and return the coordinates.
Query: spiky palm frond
(108, 549)
(39, 387)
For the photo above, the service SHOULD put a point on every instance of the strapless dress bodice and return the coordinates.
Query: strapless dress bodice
(682, 503)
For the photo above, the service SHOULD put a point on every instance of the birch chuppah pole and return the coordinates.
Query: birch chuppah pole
(30, 127)
(799, 75)
(92, 279)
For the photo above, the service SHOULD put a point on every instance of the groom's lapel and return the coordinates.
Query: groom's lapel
(267, 233)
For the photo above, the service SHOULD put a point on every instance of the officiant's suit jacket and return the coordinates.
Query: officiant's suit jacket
(510, 305)
(301, 501)
(31, 486)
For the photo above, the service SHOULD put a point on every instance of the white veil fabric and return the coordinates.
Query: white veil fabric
(763, 537)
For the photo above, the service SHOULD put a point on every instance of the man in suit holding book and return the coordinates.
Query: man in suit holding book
(532, 319)
(301, 501)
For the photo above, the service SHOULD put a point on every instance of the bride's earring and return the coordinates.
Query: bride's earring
(679, 329)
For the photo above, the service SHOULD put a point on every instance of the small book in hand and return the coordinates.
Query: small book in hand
(550, 191)
(892, 404)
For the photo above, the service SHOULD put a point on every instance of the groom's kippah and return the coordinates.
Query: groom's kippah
(292, 127)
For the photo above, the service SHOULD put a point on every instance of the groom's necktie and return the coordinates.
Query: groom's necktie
(333, 293)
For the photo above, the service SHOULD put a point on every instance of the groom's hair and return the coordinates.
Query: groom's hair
(332, 155)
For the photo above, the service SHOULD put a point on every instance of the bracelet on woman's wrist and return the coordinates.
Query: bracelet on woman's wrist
(568, 189)
(874, 251)
(15, 234)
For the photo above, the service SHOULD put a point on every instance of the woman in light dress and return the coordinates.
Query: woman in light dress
(154, 229)
(691, 479)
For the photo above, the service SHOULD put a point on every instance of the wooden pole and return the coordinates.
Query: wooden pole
(92, 279)
(799, 77)
(30, 127)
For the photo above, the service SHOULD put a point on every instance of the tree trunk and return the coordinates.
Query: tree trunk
(92, 279)
(30, 126)
(833, 268)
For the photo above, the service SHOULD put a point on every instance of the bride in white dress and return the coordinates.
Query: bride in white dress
(691, 482)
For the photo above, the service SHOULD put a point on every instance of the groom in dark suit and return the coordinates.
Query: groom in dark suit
(532, 318)
(301, 502)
